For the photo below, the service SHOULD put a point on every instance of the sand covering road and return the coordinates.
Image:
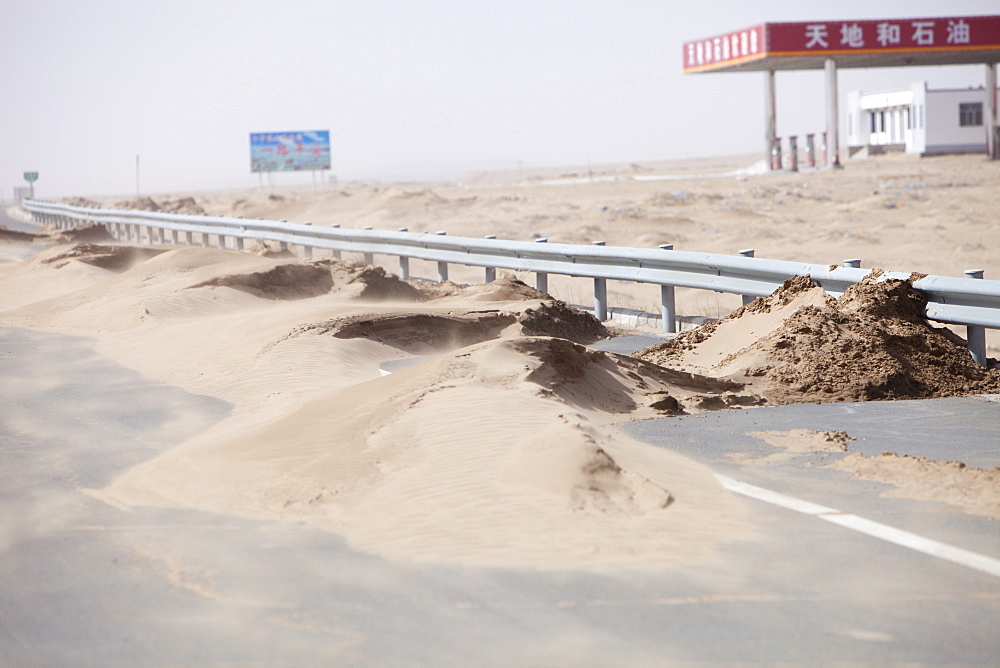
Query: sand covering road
(499, 450)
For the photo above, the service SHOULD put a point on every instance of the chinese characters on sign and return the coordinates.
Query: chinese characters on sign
(289, 151)
(842, 38)
(732, 47)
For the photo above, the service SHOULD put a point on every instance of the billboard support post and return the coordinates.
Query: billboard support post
(992, 150)
(770, 125)
(31, 177)
(833, 132)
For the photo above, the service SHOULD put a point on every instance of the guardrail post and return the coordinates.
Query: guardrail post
(404, 261)
(188, 238)
(668, 309)
(369, 258)
(747, 252)
(541, 278)
(333, 251)
(307, 250)
(854, 263)
(222, 241)
(975, 335)
(600, 294)
(442, 266)
(491, 272)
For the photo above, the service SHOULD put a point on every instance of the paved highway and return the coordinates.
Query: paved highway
(13, 223)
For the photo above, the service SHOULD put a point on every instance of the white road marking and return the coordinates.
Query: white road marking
(766, 495)
(884, 532)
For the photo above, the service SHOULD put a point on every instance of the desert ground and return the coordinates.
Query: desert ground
(500, 446)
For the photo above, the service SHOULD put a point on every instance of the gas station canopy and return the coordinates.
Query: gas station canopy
(884, 43)
(830, 45)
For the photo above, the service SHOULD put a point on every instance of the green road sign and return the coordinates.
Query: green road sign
(31, 177)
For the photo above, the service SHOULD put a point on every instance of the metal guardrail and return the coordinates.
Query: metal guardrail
(969, 301)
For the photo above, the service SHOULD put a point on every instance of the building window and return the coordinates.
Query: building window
(970, 113)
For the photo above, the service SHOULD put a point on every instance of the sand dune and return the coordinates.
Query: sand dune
(465, 457)
(498, 449)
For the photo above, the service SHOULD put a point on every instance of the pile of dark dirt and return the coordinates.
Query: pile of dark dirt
(800, 345)
(554, 318)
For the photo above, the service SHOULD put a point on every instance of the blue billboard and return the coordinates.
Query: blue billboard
(289, 151)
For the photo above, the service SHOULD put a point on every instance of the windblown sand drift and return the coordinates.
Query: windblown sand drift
(499, 450)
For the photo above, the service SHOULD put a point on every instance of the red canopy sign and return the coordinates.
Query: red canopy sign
(847, 41)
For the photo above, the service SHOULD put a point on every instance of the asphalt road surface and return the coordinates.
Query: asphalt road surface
(83, 583)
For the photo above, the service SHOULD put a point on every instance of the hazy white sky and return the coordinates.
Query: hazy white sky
(407, 88)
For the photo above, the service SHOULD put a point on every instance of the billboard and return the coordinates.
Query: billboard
(303, 150)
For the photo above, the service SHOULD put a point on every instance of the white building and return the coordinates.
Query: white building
(917, 120)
